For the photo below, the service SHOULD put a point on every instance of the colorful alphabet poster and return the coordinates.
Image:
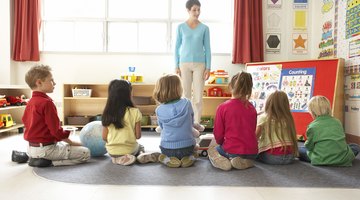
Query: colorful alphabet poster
(298, 84)
(265, 80)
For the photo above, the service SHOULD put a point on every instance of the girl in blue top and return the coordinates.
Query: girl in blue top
(175, 118)
(193, 56)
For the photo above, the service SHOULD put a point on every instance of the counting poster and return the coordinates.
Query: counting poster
(298, 85)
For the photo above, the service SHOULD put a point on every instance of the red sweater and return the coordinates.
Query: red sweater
(42, 124)
(235, 126)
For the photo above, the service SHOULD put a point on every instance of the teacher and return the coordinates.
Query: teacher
(193, 56)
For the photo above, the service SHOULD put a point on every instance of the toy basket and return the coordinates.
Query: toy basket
(81, 92)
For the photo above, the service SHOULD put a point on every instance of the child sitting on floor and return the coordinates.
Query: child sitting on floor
(276, 131)
(42, 125)
(234, 127)
(122, 126)
(175, 118)
(325, 143)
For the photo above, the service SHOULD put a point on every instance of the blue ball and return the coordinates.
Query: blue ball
(91, 137)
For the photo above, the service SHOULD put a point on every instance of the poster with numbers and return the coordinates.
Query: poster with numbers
(298, 84)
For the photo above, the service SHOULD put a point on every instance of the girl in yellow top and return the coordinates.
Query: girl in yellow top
(276, 131)
(122, 126)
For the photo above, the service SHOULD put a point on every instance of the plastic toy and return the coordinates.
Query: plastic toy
(4, 102)
(204, 143)
(2, 124)
(7, 120)
(218, 77)
(16, 101)
(215, 92)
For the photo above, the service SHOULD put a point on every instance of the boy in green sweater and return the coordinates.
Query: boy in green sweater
(326, 144)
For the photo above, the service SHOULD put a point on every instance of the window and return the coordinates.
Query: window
(134, 26)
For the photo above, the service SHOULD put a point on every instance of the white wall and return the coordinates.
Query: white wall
(285, 30)
(5, 42)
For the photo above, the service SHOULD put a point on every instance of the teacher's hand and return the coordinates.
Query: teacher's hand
(177, 71)
(206, 74)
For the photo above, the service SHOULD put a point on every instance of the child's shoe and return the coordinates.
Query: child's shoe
(218, 160)
(124, 160)
(19, 157)
(148, 157)
(187, 161)
(40, 162)
(241, 163)
(172, 162)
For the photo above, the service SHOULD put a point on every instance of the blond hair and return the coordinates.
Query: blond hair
(278, 112)
(37, 72)
(168, 88)
(319, 105)
(241, 85)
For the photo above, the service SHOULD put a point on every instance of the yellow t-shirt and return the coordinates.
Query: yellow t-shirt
(123, 141)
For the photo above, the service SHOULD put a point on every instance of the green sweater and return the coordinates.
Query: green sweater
(326, 143)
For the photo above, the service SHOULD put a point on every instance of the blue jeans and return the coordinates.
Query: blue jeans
(303, 154)
(355, 148)
(304, 157)
(275, 159)
(229, 155)
(178, 153)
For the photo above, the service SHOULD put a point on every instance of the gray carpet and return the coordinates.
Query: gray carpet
(101, 171)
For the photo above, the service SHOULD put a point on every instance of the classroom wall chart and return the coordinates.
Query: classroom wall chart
(300, 80)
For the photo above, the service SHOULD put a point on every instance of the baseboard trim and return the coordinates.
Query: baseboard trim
(352, 139)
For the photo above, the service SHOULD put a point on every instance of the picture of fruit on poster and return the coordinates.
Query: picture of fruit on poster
(298, 84)
(265, 81)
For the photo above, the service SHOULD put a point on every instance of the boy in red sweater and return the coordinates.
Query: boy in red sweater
(43, 130)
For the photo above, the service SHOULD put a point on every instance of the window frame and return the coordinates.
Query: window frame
(106, 20)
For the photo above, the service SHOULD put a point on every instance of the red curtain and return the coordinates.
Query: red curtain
(248, 32)
(27, 21)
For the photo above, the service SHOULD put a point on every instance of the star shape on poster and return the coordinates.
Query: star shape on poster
(299, 42)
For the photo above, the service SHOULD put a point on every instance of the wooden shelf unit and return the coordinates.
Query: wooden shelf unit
(15, 111)
(94, 105)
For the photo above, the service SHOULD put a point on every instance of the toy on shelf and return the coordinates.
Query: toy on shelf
(218, 77)
(15, 100)
(132, 77)
(79, 91)
(3, 101)
(7, 120)
(215, 92)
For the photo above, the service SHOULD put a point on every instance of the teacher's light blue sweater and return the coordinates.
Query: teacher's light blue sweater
(193, 45)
